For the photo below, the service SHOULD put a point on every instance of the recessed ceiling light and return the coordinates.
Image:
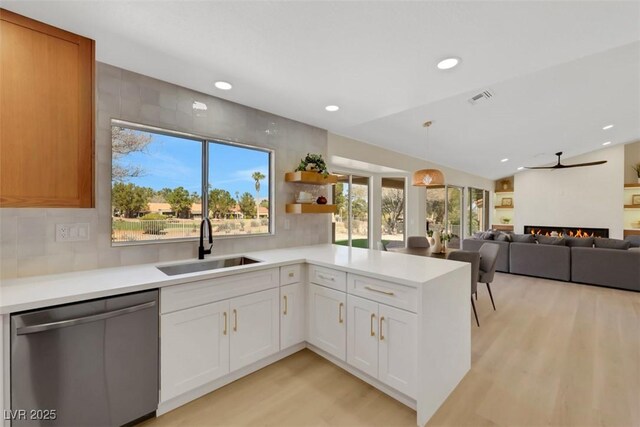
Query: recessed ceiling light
(504, 160)
(332, 108)
(223, 85)
(607, 127)
(606, 143)
(448, 63)
(520, 168)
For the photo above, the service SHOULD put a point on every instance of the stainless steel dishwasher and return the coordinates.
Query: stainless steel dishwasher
(93, 363)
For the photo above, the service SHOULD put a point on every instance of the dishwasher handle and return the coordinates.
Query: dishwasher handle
(32, 329)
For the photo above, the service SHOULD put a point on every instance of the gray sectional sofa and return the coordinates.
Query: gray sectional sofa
(574, 260)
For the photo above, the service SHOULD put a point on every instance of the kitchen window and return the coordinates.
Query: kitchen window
(163, 183)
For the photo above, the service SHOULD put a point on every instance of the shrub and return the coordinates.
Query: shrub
(264, 221)
(255, 223)
(153, 223)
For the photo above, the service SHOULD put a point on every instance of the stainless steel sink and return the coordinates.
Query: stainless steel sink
(214, 264)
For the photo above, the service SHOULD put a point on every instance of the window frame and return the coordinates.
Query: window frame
(204, 141)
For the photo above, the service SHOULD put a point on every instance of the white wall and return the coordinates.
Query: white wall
(578, 197)
(416, 202)
(27, 236)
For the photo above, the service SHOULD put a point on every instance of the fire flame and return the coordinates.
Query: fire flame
(578, 233)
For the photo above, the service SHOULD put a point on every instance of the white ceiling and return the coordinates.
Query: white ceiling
(559, 70)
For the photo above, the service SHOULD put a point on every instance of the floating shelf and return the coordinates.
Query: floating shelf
(504, 207)
(631, 232)
(632, 206)
(304, 208)
(632, 186)
(502, 227)
(314, 178)
(503, 191)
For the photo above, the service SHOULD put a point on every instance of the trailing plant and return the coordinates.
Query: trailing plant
(313, 163)
(636, 168)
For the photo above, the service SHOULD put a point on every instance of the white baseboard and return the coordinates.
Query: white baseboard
(187, 397)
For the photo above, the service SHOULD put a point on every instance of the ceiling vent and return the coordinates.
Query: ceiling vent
(483, 96)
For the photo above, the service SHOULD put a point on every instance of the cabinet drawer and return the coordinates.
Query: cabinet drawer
(393, 294)
(327, 277)
(179, 297)
(290, 274)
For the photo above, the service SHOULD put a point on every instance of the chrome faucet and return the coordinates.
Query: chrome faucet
(201, 250)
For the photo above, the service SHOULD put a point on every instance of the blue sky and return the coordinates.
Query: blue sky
(173, 162)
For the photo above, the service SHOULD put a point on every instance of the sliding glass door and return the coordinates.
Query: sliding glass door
(351, 222)
(478, 205)
(444, 211)
(392, 202)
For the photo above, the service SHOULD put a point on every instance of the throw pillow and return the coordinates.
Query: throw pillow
(582, 242)
(634, 240)
(478, 235)
(550, 240)
(612, 243)
(487, 235)
(503, 238)
(523, 238)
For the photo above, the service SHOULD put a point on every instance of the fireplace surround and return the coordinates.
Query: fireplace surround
(567, 231)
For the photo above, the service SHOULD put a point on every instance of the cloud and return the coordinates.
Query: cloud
(243, 175)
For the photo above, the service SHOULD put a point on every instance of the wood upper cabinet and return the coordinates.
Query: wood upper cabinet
(46, 115)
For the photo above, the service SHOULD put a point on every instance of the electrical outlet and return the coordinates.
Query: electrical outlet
(72, 232)
(287, 223)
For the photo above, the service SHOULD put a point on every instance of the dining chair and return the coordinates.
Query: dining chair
(417, 242)
(488, 260)
(381, 246)
(473, 258)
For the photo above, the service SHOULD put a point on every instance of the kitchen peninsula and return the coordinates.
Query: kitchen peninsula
(399, 322)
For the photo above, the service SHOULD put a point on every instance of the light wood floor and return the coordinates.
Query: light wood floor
(553, 354)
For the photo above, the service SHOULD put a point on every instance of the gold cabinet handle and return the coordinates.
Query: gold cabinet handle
(340, 319)
(285, 306)
(380, 291)
(235, 320)
(224, 331)
(291, 274)
(332, 279)
(373, 318)
(381, 334)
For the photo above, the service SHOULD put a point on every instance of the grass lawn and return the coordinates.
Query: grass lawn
(358, 243)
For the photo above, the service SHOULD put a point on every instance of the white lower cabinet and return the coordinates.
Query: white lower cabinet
(326, 320)
(204, 343)
(254, 327)
(292, 315)
(194, 348)
(382, 342)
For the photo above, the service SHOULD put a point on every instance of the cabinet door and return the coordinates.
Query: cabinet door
(254, 327)
(326, 320)
(292, 318)
(47, 104)
(194, 348)
(398, 351)
(362, 336)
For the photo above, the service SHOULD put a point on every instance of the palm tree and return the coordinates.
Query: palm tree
(258, 176)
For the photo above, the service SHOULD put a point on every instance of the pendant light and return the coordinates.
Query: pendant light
(428, 177)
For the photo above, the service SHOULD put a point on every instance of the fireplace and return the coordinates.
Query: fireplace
(567, 231)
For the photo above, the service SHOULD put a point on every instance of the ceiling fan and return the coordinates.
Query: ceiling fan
(561, 166)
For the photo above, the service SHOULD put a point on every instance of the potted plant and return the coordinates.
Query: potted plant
(636, 168)
(446, 238)
(506, 220)
(313, 163)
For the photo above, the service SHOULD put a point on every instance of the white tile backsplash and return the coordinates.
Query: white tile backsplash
(27, 235)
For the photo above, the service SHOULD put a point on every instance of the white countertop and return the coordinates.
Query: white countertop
(41, 291)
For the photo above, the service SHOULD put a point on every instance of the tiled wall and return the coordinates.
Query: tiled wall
(27, 236)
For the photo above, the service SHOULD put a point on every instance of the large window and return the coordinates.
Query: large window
(164, 183)
(478, 210)
(444, 211)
